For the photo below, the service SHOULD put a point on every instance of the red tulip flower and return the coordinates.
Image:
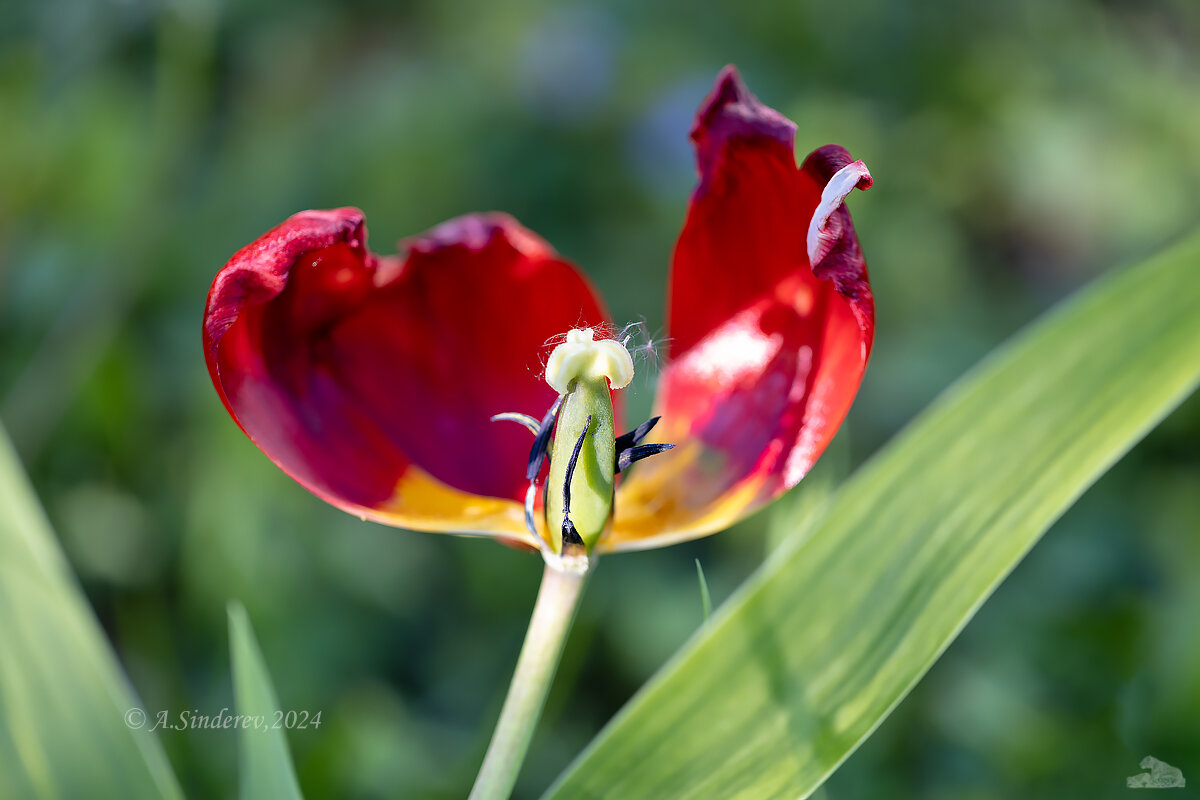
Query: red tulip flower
(383, 384)
(373, 380)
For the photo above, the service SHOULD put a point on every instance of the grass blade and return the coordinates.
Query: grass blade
(705, 597)
(266, 763)
(70, 725)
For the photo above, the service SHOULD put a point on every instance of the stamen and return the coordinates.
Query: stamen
(571, 468)
(635, 436)
(572, 542)
(529, 422)
(537, 453)
(629, 449)
(530, 497)
(627, 457)
(541, 442)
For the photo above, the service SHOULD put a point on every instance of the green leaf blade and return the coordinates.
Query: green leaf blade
(802, 664)
(266, 762)
(267, 769)
(64, 729)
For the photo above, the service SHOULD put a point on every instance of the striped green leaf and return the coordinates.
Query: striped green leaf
(810, 656)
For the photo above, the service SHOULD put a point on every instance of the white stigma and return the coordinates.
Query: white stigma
(581, 356)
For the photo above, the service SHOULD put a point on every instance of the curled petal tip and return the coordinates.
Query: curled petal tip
(259, 271)
(825, 229)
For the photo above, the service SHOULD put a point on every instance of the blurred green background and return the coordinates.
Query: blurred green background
(1019, 149)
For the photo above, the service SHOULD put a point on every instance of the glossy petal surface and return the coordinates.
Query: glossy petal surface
(767, 350)
(371, 380)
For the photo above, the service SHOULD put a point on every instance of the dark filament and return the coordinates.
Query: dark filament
(541, 442)
(571, 467)
(629, 450)
(627, 457)
(570, 537)
(635, 436)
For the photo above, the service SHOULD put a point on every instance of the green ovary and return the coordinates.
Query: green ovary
(592, 483)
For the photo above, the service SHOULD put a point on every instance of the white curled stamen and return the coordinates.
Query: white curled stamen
(825, 229)
(530, 423)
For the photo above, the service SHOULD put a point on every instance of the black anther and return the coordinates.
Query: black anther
(629, 448)
(632, 454)
(541, 442)
(570, 536)
(571, 468)
(635, 436)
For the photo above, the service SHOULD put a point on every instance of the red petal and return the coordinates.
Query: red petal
(768, 351)
(371, 380)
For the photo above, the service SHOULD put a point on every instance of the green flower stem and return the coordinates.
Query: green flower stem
(557, 600)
